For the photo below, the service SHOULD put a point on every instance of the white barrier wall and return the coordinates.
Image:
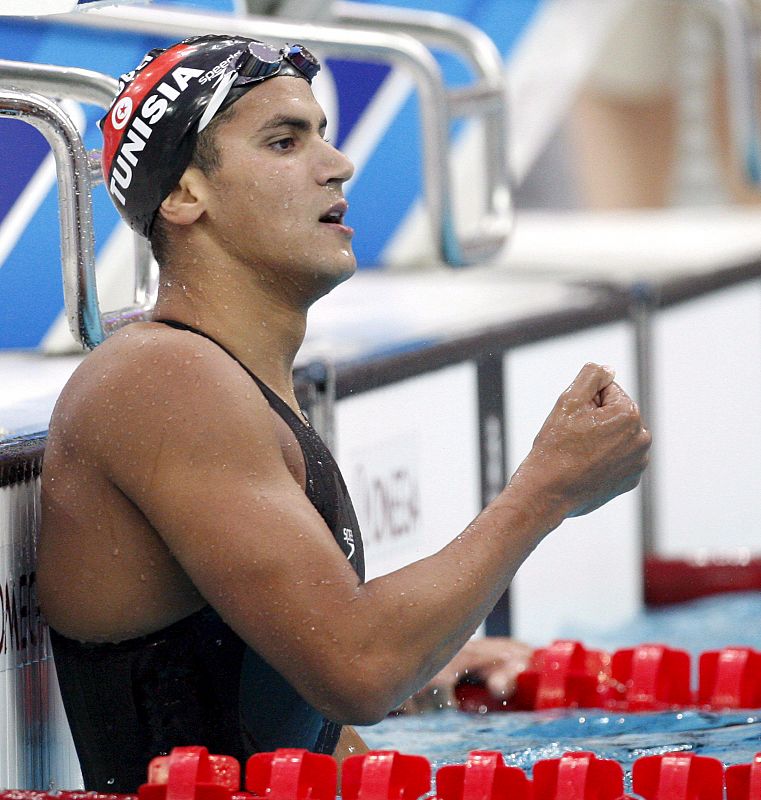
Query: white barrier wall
(37, 751)
(708, 384)
(409, 454)
(587, 574)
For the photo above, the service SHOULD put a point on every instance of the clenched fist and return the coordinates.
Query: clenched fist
(592, 447)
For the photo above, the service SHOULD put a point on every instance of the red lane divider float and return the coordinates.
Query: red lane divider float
(652, 677)
(289, 774)
(744, 780)
(562, 675)
(649, 677)
(578, 776)
(484, 777)
(730, 678)
(387, 774)
(190, 773)
(678, 775)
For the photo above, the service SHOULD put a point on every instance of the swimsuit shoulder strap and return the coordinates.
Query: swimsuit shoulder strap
(277, 402)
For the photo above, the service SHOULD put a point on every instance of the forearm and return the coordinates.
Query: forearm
(355, 651)
(410, 623)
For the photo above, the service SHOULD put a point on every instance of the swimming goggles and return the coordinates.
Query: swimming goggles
(257, 63)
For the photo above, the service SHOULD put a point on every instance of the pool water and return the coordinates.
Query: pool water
(447, 736)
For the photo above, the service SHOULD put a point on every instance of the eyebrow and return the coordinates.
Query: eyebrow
(296, 123)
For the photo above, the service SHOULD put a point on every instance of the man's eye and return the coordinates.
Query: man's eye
(283, 144)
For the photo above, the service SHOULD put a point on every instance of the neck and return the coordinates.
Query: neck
(246, 312)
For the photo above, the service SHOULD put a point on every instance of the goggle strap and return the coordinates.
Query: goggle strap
(220, 95)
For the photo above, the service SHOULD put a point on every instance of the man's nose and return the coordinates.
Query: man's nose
(335, 165)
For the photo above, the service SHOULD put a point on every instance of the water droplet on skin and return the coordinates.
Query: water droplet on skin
(115, 551)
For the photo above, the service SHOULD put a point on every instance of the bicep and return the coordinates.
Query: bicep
(216, 489)
(260, 554)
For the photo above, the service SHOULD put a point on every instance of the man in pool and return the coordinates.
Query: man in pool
(200, 563)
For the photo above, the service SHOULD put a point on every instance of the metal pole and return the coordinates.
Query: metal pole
(74, 206)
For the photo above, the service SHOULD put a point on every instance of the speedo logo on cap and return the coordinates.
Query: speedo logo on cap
(220, 68)
(152, 102)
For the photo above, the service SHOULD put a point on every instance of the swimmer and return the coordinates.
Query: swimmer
(200, 564)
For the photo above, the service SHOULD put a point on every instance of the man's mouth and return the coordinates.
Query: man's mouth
(334, 217)
(336, 213)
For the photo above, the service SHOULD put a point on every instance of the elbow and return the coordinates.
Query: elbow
(365, 697)
(358, 712)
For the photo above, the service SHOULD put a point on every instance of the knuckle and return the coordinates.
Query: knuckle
(569, 404)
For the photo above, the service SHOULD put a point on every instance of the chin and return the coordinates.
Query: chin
(342, 268)
(349, 269)
(330, 276)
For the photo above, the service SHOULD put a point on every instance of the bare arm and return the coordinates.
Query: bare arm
(495, 660)
(349, 744)
(204, 466)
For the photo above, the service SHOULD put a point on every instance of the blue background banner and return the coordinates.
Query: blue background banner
(382, 194)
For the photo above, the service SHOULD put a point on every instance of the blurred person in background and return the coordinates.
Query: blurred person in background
(626, 128)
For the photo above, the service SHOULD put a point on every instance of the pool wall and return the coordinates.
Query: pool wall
(37, 751)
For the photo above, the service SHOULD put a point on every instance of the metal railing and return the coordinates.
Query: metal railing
(87, 324)
(380, 41)
(77, 173)
(74, 203)
(485, 99)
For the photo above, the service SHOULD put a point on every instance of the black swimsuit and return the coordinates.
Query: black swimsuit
(196, 681)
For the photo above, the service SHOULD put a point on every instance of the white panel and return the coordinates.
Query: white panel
(36, 751)
(409, 454)
(586, 575)
(708, 416)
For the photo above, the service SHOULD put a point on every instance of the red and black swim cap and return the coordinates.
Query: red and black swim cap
(149, 131)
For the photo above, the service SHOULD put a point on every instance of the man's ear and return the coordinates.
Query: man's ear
(185, 203)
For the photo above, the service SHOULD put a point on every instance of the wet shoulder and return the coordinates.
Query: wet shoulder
(147, 379)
